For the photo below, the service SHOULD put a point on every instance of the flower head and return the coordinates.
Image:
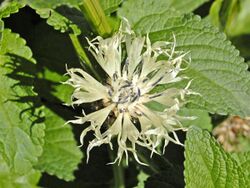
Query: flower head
(124, 96)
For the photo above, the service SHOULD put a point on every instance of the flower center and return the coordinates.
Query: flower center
(125, 92)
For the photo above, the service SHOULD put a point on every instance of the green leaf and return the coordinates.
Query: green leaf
(242, 43)
(110, 6)
(64, 19)
(59, 91)
(134, 14)
(218, 73)
(37, 4)
(1, 29)
(208, 165)
(9, 7)
(202, 120)
(52, 58)
(61, 156)
(64, 15)
(21, 130)
(187, 6)
(69, 18)
(8, 179)
(244, 161)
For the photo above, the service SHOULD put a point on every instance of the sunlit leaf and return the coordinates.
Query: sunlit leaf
(219, 74)
(9, 7)
(61, 154)
(21, 126)
(215, 167)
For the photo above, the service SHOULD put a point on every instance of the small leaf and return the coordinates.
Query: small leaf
(208, 165)
(61, 155)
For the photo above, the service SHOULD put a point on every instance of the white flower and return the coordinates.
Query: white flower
(127, 91)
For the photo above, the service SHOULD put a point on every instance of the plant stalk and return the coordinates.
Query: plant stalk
(118, 171)
(95, 14)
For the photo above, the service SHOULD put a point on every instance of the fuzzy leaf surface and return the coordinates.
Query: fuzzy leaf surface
(61, 155)
(215, 167)
(21, 128)
(8, 179)
(219, 74)
(244, 161)
(131, 11)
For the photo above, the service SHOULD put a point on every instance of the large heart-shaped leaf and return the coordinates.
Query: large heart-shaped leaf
(219, 74)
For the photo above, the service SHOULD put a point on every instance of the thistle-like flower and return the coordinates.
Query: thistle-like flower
(124, 96)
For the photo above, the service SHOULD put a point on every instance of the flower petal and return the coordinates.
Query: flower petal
(96, 118)
(166, 97)
(108, 54)
(134, 54)
(83, 81)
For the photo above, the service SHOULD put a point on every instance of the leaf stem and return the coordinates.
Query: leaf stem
(94, 12)
(117, 171)
(82, 55)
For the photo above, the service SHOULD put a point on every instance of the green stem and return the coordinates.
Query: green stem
(94, 12)
(146, 161)
(82, 55)
(118, 172)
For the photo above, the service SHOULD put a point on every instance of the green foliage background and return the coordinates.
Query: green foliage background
(37, 149)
